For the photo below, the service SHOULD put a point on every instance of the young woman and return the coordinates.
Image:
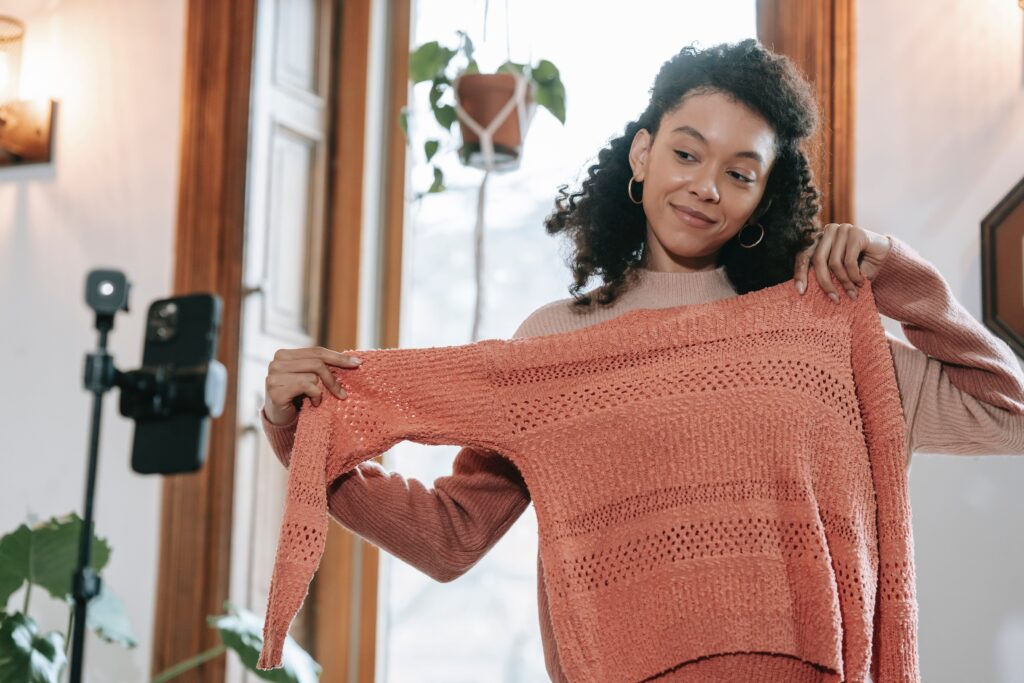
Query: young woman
(707, 195)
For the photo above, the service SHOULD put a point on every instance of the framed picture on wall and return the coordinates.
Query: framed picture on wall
(1002, 268)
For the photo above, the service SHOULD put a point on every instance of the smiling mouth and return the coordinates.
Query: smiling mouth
(690, 219)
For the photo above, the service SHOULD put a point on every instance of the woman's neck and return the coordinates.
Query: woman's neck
(660, 289)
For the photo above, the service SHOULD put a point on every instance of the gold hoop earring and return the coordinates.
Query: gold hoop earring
(748, 246)
(629, 191)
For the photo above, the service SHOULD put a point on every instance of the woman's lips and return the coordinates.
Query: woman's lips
(690, 219)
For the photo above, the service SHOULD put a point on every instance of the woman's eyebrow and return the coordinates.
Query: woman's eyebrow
(690, 130)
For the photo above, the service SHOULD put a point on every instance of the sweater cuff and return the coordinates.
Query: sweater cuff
(903, 271)
(281, 437)
(891, 263)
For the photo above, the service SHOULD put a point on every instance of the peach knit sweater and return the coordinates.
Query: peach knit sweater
(964, 396)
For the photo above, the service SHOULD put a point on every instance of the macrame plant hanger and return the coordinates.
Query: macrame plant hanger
(489, 163)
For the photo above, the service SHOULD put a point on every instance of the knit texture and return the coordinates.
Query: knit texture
(773, 504)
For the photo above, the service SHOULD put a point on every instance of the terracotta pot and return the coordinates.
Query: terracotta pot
(483, 96)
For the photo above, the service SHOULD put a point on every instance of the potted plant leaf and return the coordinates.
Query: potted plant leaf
(43, 556)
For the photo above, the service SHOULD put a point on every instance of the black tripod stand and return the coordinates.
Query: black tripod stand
(171, 398)
(100, 375)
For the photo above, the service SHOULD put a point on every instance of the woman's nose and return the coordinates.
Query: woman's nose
(705, 189)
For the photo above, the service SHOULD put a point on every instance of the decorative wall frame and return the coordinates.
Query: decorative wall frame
(1002, 269)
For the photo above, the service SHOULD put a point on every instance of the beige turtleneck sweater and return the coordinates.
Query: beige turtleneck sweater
(961, 388)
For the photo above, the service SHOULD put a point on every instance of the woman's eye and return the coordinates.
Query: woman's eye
(686, 156)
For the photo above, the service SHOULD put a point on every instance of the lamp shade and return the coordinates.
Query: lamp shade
(11, 33)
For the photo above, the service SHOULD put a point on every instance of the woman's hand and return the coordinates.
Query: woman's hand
(295, 373)
(850, 252)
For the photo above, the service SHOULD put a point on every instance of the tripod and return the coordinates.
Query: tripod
(100, 376)
(179, 386)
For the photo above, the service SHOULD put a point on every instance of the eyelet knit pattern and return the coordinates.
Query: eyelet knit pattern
(766, 510)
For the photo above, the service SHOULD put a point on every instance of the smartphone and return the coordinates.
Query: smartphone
(172, 419)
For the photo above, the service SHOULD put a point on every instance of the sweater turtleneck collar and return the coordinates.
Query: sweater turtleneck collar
(659, 288)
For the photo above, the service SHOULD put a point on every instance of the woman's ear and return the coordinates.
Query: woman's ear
(638, 151)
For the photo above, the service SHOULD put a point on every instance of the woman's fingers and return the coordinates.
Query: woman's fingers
(803, 261)
(309, 370)
(329, 356)
(837, 249)
(837, 258)
(296, 373)
(819, 260)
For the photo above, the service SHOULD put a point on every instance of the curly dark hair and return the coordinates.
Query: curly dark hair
(609, 231)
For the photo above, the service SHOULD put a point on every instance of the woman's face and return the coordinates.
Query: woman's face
(711, 155)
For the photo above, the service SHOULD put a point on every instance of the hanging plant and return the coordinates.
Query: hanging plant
(459, 91)
(494, 111)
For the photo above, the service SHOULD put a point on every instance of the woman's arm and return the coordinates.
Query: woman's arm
(941, 418)
(961, 387)
(443, 531)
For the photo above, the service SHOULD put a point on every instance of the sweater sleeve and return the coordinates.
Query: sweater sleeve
(434, 395)
(443, 530)
(961, 387)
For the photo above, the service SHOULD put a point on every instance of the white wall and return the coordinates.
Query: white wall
(108, 200)
(939, 140)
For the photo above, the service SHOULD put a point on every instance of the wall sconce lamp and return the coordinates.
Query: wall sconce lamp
(26, 126)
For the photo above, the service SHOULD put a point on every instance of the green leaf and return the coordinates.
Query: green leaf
(46, 555)
(437, 91)
(466, 45)
(511, 67)
(445, 115)
(472, 67)
(430, 148)
(551, 96)
(403, 122)
(428, 61)
(106, 616)
(27, 657)
(14, 547)
(438, 184)
(545, 71)
(242, 631)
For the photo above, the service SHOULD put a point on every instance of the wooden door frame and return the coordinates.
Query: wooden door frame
(195, 540)
(819, 35)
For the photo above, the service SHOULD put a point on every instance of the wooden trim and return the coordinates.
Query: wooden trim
(843, 71)
(394, 203)
(337, 580)
(195, 543)
(346, 586)
(399, 26)
(818, 35)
